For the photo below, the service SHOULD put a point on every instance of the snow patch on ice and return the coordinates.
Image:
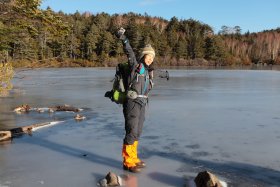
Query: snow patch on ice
(51, 124)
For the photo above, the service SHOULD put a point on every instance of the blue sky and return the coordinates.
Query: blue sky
(250, 15)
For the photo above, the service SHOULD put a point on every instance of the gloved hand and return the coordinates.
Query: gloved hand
(120, 34)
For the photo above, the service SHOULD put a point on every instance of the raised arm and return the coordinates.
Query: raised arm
(127, 48)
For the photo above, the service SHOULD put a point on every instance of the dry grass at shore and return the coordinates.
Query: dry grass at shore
(6, 75)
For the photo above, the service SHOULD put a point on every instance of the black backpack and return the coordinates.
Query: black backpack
(120, 84)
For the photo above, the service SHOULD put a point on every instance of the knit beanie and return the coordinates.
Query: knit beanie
(148, 50)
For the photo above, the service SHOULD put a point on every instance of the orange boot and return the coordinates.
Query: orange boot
(137, 161)
(128, 154)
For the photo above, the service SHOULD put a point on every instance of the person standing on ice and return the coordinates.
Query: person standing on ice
(139, 85)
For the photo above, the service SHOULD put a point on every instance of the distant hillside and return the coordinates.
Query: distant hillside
(34, 37)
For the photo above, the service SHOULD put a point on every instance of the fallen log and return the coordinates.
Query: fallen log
(65, 108)
(9, 134)
(27, 129)
(22, 108)
(5, 135)
(26, 108)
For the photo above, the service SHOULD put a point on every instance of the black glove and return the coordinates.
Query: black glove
(120, 34)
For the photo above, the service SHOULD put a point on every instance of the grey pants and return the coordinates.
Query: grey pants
(134, 115)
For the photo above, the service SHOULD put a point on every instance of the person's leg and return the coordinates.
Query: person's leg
(131, 114)
(141, 121)
(140, 127)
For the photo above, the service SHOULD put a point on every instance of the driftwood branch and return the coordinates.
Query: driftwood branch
(65, 108)
(27, 108)
(8, 134)
(5, 135)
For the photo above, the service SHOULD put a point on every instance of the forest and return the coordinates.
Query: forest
(32, 37)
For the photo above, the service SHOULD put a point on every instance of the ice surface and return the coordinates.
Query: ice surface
(224, 121)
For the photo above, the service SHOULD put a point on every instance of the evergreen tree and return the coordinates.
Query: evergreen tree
(28, 33)
(214, 49)
(181, 48)
(92, 39)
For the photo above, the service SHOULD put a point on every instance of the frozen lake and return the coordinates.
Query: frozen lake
(224, 121)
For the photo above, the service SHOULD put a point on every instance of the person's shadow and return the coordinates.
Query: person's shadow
(74, 152)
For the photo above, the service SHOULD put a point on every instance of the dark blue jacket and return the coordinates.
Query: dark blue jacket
(141, 83)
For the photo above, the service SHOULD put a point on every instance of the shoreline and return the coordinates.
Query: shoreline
(252, 67)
